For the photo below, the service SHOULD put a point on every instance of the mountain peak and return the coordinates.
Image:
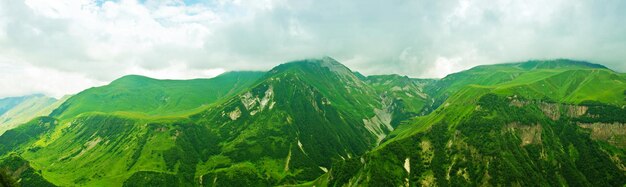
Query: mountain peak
(131, 80)
(132, 77)
(315, 63)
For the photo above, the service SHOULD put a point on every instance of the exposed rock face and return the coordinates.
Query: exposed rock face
(528, 134)
(380, 123)
(576, 111)
(613, 133)
(88, 146)
(255, 104)
(554, 111)
(235, 114)
(518, 103)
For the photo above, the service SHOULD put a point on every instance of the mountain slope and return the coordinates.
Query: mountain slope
(8, 103)
(507, 126)
(534, 123)
(147, 96)
(530, 72)
(289, 127)
(20, 170)
(29, 108)
(285, 128)
(407, 95)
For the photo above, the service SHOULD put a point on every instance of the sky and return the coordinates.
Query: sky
(59, 47)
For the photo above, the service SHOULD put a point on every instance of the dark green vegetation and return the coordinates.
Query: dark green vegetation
(315, 122)
(16, 171)
(523, 124)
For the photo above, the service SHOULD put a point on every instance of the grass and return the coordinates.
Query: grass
(156, 97)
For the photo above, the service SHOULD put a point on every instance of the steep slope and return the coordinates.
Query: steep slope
(147, 96)
(406, 94)
(20, 171)
(31, 107)
(498, 129)
(292, 124)
(286, 128)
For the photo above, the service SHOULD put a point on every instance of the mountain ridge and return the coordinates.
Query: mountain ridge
(317, 122)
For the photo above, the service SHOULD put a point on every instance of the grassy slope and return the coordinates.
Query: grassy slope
(314, 114)
(97, 127)
(155, 97)
(470, 121)
(526, 73)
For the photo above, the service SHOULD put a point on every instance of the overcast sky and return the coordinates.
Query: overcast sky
(59, 47)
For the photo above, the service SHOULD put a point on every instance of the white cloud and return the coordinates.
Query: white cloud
(24, 79)
(444, 66)
(174, 71)
(102, 40)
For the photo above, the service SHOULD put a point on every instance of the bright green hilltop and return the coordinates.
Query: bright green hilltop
(316, 122)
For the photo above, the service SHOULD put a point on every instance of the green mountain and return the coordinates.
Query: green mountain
(316, 122)
(283, 127)
(15, 111)
(539, 77)
(407, 95)
(29, 108)
(145, 96)
(10, 102)
(547, 123)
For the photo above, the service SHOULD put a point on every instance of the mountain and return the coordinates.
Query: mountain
(315, 122)
(533, 75)
(141, 95)
(285, 126)
(25, 108)
(548, 123)
(406, 94)
(9, 102)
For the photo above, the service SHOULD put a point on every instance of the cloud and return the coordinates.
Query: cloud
(99, 41)
(23, 79)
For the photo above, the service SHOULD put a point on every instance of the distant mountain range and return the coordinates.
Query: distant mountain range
(315, 122)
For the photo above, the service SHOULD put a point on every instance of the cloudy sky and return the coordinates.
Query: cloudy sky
(59, 47)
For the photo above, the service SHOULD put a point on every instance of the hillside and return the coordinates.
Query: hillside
(284, 128)
(513, 124)
(406, 94)
(529, 73)
(8, 103)
(29, 108)
(153, 97)
(316, 122)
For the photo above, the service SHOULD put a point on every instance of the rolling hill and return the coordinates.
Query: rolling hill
(146, 96)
